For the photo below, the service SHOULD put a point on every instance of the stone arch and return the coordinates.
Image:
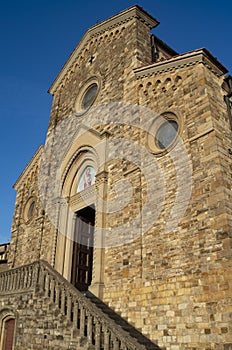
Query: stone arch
(157, 83)
(122, 31)
(83, 157)
(168, 81)
(83, 152)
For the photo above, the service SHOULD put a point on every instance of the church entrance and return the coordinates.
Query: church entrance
(82, 260)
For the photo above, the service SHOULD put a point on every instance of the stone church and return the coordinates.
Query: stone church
(121, 235)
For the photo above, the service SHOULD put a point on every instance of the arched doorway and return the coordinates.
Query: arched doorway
(82, 259)
(79, 262)
(8, 333)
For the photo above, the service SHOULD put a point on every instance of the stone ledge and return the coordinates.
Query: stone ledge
(188, 59)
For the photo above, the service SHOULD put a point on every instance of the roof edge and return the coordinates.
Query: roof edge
(201, 55)
(127, 14)
(28, 166)
(112, 22)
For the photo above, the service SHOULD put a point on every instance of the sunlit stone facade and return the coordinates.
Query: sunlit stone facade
(130, 198)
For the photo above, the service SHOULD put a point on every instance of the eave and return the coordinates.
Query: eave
(181, 61)
(28, 168)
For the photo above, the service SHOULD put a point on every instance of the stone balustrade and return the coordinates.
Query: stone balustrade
(19, 279)
(90, 322)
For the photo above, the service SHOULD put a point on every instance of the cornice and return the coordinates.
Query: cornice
(124, 17)
(29, 166)
(111, 23)
(192, 58)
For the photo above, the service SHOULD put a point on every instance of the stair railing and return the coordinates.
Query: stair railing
(90, 322)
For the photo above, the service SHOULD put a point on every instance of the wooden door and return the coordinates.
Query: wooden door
(82, 262)
(9, 326)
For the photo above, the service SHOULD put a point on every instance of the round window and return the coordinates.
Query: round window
(89, 96)
(31, 210)
(166, 133)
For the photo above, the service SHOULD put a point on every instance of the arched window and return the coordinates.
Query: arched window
(87, 178)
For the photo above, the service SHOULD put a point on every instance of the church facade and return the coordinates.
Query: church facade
(121, 236)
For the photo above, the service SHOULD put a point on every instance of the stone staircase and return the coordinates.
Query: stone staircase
(133, 332)
(89, 324)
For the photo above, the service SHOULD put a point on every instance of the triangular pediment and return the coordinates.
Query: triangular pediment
(98, 29)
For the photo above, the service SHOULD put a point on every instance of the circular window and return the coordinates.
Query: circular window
(89, 96)
(166, 134)
(31, 210)
(163, 132)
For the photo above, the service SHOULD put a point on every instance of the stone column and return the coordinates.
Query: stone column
(97, 284)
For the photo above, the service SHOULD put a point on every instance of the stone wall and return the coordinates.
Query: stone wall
(176, 285)
(38, 324)
(32, 232)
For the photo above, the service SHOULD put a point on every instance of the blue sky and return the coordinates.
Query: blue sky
(36, 39)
